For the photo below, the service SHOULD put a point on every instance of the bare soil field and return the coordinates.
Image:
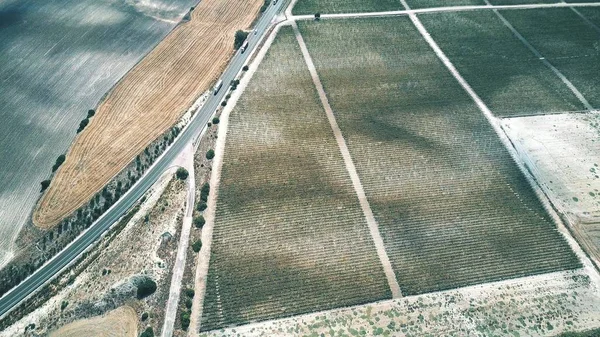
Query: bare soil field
(566, 41)
(563, 153)
(452, 207)
(508, 77)
(543, 305)
(147, 101)
(144, 248)
(121, 322)
(58, 59)
(289, 235)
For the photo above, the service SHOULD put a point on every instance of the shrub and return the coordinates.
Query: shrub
(201, 206)
(148, 332)
(240, 37)
(83, 124)
(210, 154)
(188, 303)
(216, 120)
(185, 320)
(224, 103)
(182, 173)
(63, 305)
(189, 293)
(199, 221)
(245, 68)
(205, 188)
(317, 16)
(59, 161)
(45, 184)
(145, 287)
(265, 6)
(144, 316)
(91, 113)
(197, 246)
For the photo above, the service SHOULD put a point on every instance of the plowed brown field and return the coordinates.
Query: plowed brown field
(147, 101)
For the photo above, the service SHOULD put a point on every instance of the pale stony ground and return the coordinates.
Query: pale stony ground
(563, 153)
(543, 305)
(132, 253)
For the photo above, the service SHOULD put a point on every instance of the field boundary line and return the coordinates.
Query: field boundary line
(409, 11)
(358, 188)
(588, 21)
(494, 122)
(541, 57)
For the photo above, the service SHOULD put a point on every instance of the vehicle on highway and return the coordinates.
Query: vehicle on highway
(217, 87)
(244, 46)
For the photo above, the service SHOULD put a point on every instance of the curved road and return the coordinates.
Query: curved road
(189, 134)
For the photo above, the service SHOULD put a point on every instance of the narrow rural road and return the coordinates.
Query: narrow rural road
(444, 9)
(188, 135)
(184, 239)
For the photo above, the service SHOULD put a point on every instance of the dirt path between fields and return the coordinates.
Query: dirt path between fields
(443, 9)
(187, 161)
(495, 123)
(362, 198)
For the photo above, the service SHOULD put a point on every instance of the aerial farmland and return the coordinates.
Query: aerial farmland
(358, 168)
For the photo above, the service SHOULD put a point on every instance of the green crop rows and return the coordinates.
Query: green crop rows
(453, 208)
(289, 235)
(567, 41)
(345, 6)
(414, 4)
(509, 78)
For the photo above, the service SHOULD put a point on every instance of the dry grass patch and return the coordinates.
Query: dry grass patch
(121, 322)
(146, 103)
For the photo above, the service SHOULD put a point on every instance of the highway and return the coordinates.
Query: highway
(188, 135)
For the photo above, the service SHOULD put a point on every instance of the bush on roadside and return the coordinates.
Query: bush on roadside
(210, 154)
(201, 206)
(199, 221)
(91, 113)
(148, 332)
(145, 287)
(197, 246)
(245, 68)
(185, 320)
(240, 37)
(83, 124)
(216, 120)
(189, 292)
(182, 173)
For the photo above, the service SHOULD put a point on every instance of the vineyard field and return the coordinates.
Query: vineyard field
(345, 6)
(452, 207)
(289, 235)
(509, 78)
(414, 4)
(567, 41)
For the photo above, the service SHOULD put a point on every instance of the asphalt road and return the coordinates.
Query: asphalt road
(188, 135)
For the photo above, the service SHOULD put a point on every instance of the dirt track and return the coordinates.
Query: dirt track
(147, 101)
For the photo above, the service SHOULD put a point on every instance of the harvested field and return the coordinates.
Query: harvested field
(414, 4)
(289, 235)
(543, 305)
(508, 77)
(345, 6)
(453, 208)
(121, 322)
(563, 153)
(566, 41)
(151, 97)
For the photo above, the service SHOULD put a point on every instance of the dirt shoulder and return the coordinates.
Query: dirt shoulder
(152, 96)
